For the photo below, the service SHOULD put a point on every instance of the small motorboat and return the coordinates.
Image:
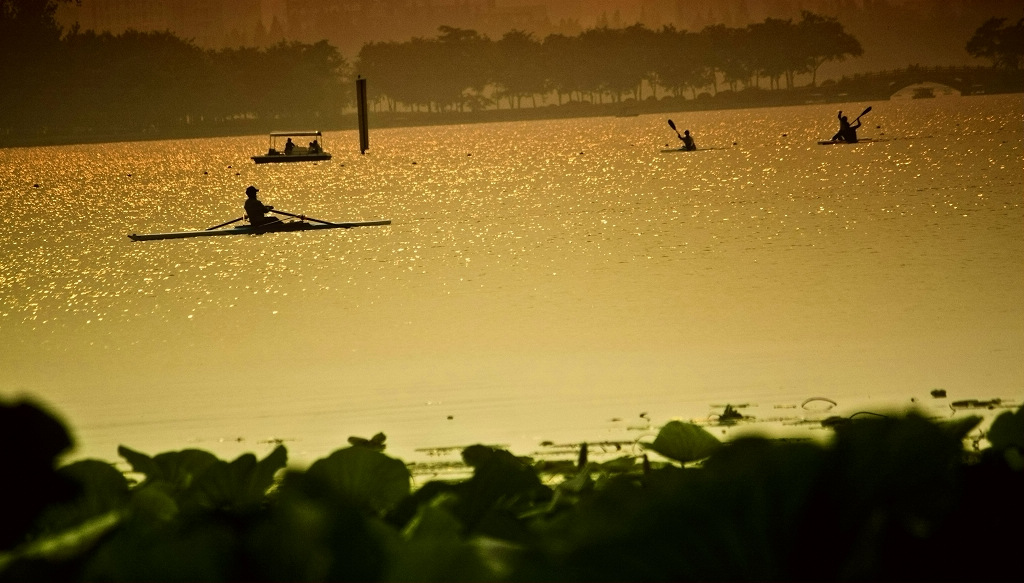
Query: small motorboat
(290, 151)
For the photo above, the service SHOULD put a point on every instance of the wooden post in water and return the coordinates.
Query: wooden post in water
(364, 130)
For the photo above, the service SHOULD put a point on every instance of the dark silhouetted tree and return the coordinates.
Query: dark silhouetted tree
(380, 62)
(558, 50)
(778, 54)
(30, 63)
(1003, 45)
(823, 39)
(681, 63)
(518, 68)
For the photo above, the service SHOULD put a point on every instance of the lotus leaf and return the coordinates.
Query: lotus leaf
(622, 464)
(140, 463)
(365, 476)
(1007, 430)
(376, 442)
(434, 549)
(178, 468)
(959, 428)
(103, 489)
(500, 479)
(31, 440)
(241, 484)
(566, 493)
(684, 442)
(502, 490)
(311, 531)
(181, 468)
(40, 435)
(434, 520)
(205, 551)
(154, 501)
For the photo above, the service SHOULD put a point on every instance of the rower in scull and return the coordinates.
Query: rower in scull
(256, 211)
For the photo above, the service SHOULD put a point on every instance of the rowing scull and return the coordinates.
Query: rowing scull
(256, 230)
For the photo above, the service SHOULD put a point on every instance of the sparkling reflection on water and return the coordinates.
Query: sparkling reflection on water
(541, 281)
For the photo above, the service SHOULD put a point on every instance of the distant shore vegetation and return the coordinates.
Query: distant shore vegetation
(70, 86)
(886, 498)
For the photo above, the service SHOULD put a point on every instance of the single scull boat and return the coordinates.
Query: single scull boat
(277, 227)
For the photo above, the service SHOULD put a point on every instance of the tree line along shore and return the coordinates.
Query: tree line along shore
(77, 87)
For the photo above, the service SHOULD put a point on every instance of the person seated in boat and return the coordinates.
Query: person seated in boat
(289, 146)
(256, 210)
(688, 143)
(847, 132)
(314, 147)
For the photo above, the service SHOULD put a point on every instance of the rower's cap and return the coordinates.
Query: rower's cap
(251, 190)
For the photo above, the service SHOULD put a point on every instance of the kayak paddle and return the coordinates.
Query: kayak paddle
(673, 126)
(862, 114)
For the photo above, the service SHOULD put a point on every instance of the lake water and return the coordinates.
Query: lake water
(542, 281)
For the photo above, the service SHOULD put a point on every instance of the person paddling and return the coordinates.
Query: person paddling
(256, 210)
(847, 131)
(688, 143)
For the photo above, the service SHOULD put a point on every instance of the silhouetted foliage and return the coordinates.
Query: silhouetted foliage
(31, 55)
(518, 70)
(153, 82)
(824, 40)
(599, 63)
(890, 498)
(1003, 45)
(30, 442)
(98, 86)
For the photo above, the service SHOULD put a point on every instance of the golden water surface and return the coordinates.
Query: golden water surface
(549, 280)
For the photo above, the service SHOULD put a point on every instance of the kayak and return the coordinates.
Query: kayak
(830, 142)
(289, 226)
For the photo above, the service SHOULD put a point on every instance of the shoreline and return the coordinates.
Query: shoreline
(874, 89)
(811, 420)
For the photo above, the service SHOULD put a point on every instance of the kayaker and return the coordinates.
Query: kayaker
(847, 132)
(256, 210)
(688, 143)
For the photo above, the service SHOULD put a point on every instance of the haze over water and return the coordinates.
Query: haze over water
(546, 280)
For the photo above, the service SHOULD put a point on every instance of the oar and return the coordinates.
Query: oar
(862, 114)
(674, 128)
(225, 224)
(301, 217)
